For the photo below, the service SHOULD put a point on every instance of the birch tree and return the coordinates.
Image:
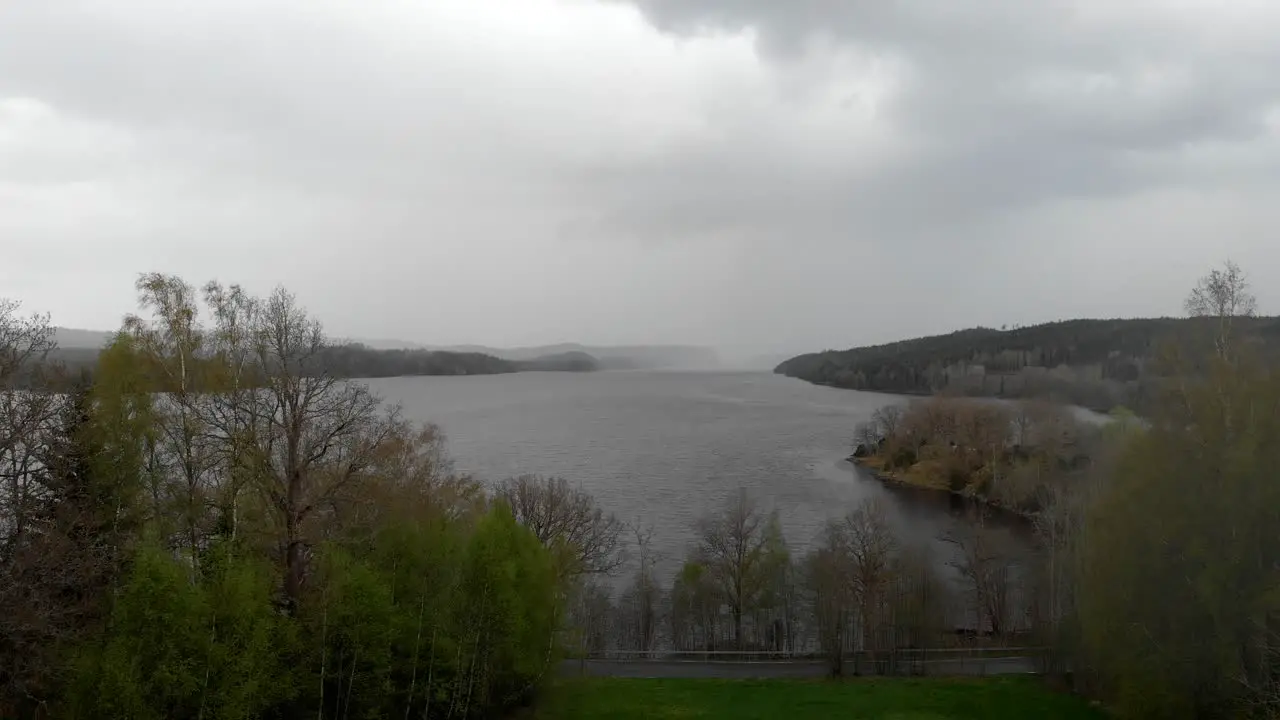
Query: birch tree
(172, 343)
(1222, 296)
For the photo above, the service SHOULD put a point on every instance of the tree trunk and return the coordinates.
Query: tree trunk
(737, 627)
(292, 564)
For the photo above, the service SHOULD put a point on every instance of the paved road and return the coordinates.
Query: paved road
(735, 670)
(739, 670)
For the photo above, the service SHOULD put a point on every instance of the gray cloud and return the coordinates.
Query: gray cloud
(758, 174)
(1010, 103)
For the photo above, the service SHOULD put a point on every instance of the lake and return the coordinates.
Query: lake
(662, 448)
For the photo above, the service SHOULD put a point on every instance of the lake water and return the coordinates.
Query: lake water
(662, 448)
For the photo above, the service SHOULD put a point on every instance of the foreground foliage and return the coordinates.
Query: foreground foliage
(264, 540)
(1180, 603)
(259, 540)
(877, 699)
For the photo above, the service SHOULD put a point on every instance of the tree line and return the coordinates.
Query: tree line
(1157, 563)
(1151, 581)
(214, 525)
(1012, 455)
(1094, 363)
(356, 361)
(861, 589)
(348, 360)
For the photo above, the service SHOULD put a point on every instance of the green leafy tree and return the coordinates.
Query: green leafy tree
(1179, 601)
(180, 649)
(58, 583)
(695, 609)
(506, 616)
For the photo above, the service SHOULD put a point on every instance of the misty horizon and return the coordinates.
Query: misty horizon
(728, 357)
(764, 182)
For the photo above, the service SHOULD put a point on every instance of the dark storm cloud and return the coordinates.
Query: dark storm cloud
(1006, 103)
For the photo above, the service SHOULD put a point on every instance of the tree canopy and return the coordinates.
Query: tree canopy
(1094, 363)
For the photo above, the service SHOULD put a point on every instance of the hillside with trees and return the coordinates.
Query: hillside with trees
(573, 361)
(354, 360)
(359, 361)
(1093, 363)
(609, 357)
(211, 525)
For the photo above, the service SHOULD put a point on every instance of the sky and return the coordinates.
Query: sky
(756, 175)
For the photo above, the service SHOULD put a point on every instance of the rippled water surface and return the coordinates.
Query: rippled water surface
(663, 447)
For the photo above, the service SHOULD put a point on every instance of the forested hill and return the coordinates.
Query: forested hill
(358, 361)
(1095, 363)
(561, 362)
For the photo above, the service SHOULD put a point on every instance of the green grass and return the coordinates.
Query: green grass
(866, 699)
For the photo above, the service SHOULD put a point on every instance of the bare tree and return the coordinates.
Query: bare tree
(987, 570)
(850, 578)
(1222, 295)
(591, 609)
(888, 419)
(25, 343)
(866, 436)
(831, 593)
(37, 564)
(310, 435)
(566, 517)
(742, 550)
(917, 603)
(935, 419)
(885, 424)
(871, 544)
(641, 601)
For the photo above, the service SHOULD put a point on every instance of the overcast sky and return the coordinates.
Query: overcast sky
(760, 175)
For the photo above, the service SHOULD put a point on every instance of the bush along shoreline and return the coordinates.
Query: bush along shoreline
(1007, 457)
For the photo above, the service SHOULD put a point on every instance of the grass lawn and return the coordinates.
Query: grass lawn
(860, 699)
